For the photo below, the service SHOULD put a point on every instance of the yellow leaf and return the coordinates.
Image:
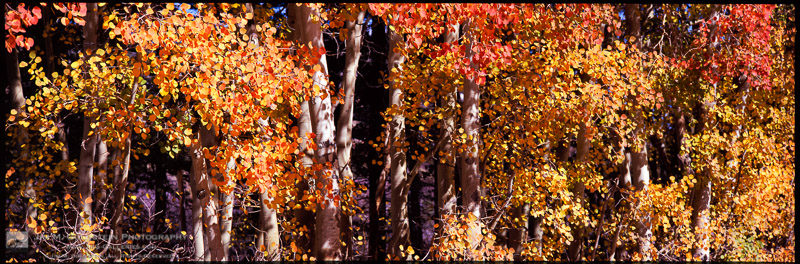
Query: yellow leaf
(133, 197)
(187, 132)
(149, 11)
(23, 64)
(183, 233)
(170, 6)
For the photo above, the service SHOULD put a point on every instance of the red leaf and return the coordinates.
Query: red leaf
(28, 43)
(37, 12)
(10, 42)
(82, 11)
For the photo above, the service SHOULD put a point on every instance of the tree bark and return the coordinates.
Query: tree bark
(210, 201)
(200, 194)
(377, 206)
(121, 180)
(701, 194)
(268, 236)
(326, 243)
(639, 170)
(102, 175)
(182, 200)
(518, 233)
(304, 215)
(344, 127)
(88, 141)
(575, 251)
(226, 217)
(470, 121)
(18, 103)
(445, 177)
(399, 189)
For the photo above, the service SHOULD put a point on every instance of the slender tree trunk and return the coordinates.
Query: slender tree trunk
(398, 176)
(445, 177)
(22, 137)
(575, 251)
(226, 217)
(269, 236)
(701, 195)
(518, 234)
(326, 243)
(161, 188)
(88, 142)
(639, 170)
(536, 232)
(102, 175)
(200, 195)
(182, 200)
(121, 181)
(303, 214)
(210, 202)
(377, 209)
(344, 127)
(470, 121)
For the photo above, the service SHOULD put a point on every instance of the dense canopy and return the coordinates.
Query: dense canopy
(436, 131)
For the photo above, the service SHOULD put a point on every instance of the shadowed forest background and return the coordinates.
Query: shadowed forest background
(256, 131)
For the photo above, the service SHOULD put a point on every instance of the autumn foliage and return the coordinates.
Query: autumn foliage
(548, 132)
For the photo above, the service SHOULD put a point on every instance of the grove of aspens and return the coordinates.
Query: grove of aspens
(398, 131)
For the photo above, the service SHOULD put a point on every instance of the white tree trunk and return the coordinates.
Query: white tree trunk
(326, 243)
(470, 121)
(398, 211)
(88, 141)
(445, 177)
(344, 127)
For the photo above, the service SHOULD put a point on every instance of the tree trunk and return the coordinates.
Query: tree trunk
(377, 210)
(199, 199)
(518, 234)
(470, 121)
(701, 194)
(269, 236)
(121, 180)
(579, 231)
(88, 142)
(445, 177)
(344, 127)
(210, 201)
(326, 243)
(535, 232)
(226, 217)
(102, 176)
(399, 188)
(182, 200)
(22, 138)
(639, 170)
(303, 214)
